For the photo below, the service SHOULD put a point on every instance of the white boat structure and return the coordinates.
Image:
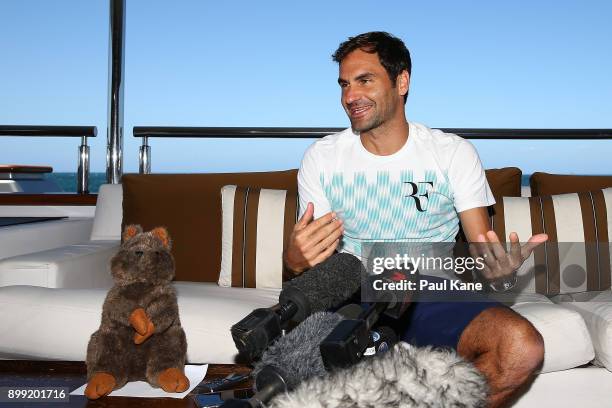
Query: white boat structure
(55, 249)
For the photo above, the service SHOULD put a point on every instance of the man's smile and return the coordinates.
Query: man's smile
(359, 111)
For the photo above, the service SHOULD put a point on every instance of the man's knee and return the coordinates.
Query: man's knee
(506, 340)
(524, 346)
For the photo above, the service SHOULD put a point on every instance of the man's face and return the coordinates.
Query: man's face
(368, 95)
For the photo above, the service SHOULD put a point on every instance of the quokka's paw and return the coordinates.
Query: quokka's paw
(140, 338)
(139, 320)
(99, 385)
(173, 380)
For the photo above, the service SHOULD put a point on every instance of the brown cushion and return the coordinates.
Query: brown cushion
(550, 184)
(189, 206)
(504, 182)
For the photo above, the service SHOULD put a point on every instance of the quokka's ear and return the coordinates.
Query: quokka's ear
(161, 233)
(130, 232)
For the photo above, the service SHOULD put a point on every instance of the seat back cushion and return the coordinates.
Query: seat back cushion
(189, 206)
(107, 219)
(550, 184)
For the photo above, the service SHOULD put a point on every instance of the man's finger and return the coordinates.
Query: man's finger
(320, 222)
(327, 253)
(496, 246)
(533, 242)
(483, 247)
(317, 232)
(515, 246)
(306, 217)
(329, 239)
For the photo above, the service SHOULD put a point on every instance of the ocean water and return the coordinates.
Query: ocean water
(67, 181)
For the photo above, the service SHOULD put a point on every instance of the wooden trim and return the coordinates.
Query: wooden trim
(48, 199)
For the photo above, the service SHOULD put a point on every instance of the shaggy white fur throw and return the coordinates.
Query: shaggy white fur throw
(404, 377)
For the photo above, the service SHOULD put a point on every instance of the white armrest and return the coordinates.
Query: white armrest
(40, 236)
(85, 265)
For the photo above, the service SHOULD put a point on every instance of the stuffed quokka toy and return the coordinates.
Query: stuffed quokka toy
(140, 336)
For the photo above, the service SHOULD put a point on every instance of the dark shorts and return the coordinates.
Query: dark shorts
(438, 323)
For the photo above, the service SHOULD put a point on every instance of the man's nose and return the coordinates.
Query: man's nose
(350, 94)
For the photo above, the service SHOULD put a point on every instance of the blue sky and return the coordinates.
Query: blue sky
(520, 64)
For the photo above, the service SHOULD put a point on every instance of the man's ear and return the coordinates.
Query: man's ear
(130, 232)
(161, 233)
(403, 83)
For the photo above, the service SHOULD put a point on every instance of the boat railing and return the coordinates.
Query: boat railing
(146, 132)
(60, 131)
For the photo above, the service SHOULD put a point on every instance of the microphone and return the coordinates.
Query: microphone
(391, 287)
(381, 340)
(290, 360)
(405, 376)
(349, 342)
(324, 286)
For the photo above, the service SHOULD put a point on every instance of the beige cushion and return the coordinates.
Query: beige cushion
(596, 309)
(567, 343)
(257, 223)
(43, 323)
(577, 256)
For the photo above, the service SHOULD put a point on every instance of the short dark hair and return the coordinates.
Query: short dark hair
(392, 52)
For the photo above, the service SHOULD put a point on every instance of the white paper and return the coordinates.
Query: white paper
(142, 389)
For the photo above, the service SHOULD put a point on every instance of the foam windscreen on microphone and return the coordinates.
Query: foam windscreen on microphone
(329, 283)
(296, 356)
(405, 376)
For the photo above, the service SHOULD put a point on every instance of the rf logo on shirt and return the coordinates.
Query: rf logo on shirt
(419, 191)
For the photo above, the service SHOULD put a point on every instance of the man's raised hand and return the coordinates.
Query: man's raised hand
(312, 241)
(497, 262)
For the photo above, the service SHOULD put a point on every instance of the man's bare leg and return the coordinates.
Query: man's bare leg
(506, 348)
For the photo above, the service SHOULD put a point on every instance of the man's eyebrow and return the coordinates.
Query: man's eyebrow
(365, 75)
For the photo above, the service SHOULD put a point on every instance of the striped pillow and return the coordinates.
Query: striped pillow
(576, 257)
(257, 223)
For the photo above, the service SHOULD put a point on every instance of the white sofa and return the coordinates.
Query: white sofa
(52, 304)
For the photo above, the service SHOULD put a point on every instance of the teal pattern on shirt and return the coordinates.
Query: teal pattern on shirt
(407, 209)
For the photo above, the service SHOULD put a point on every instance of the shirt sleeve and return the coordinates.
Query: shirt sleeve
(309, 186)
(468, 179)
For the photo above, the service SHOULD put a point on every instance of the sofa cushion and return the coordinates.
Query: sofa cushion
(85, 265)
(107, 218)
(43, 323)
(504, 182)
(596, 310)
(550, 184)
(257, 224)
(567, 343)
(189, 206)
(577, 256)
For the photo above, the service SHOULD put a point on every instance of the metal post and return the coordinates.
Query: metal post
(114, 152)
(83, 169)
(144, 157)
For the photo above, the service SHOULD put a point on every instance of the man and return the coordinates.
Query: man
(389, 179)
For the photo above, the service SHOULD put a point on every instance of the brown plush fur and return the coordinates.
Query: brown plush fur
(140, 336)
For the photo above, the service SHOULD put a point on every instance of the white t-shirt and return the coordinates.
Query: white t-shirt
(413, 195)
